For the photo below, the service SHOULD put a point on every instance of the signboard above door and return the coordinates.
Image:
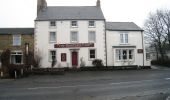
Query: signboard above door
(74, 45)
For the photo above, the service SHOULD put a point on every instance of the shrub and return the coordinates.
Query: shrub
(161, 62)
(97, 63)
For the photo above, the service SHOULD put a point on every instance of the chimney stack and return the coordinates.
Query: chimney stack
(41, 5)
(98, 3)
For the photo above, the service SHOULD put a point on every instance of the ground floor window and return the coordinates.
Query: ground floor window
(124, 54)
(16, 57)
(52, 55)
(92, 54)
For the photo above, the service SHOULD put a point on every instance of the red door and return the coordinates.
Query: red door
(74, 59)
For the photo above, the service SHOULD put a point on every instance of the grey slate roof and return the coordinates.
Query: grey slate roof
(26, 31)
(70, 13)
(122, 26)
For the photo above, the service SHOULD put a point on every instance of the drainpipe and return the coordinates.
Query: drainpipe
(143, 46)
(105, 42)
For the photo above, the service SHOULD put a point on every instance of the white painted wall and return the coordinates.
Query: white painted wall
(135, 39)
(63, 30)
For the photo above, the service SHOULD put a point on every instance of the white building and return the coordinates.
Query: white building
(70, 35)
(125, 45)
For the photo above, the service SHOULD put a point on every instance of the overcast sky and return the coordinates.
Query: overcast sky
(22, 13)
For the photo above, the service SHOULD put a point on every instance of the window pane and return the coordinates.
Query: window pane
(91, 23)
(130, 54)
(52, 36)
(118, 54)
(124, 54)
(18, 59)
(92, 54)
(16, 40)
(52, 55)
(126, 38)
(74, 23)
(121, 38)
(52, 23)
(92, 36)
(74, 37)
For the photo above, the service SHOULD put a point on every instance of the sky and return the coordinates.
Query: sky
(22, 13)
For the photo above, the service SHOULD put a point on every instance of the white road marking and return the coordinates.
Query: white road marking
(72, 86)
(167, 78)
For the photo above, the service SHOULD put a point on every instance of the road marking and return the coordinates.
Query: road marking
(167, 78)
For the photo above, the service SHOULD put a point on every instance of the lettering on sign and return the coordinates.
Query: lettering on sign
(74, 45)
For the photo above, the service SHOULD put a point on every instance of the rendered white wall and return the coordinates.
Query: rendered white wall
(63, 30)
(135, 39)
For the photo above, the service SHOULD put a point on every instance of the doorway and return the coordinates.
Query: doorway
(74, 55)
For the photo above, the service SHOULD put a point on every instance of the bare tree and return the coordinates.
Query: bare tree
(156, 32)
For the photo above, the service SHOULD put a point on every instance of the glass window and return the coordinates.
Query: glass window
(92, 54)
(91, 24)
(16, 57)
(16, 40)
(124, 38)
(74, 24)
(92, 36)
(52, 55)
(52, 36)
(52, 23)
(74, 36)
(124, 54)
(118, 54)
(130, 54)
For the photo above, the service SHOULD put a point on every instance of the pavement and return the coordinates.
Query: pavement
(151, 84)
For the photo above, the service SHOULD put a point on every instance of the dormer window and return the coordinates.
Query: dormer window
(52, 23)
(74, 24)
(91, 24)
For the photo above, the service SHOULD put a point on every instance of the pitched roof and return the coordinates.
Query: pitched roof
(122, 26)
(4, 31)
(70, 13)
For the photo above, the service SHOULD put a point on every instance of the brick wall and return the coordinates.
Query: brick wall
(6, 42)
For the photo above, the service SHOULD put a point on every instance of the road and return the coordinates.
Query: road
(89, 85)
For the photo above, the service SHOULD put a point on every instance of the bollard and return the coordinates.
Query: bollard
(15, 73)
(2, 74)
(22, 72)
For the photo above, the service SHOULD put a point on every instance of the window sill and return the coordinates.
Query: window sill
(92, 27)
(74, 26)
(51, 42)
(52, 27)
(124, 60)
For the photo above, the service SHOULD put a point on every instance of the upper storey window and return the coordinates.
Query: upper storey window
(74, 24)
(124, 38)
(16, 40)
(91, 24)
(52, 23)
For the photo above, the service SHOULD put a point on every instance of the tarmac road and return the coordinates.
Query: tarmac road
(151, 84)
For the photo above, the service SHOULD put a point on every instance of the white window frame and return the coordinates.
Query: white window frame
(14, 53)
(124, 38)
(71, 33)
(89, 24)
(50, 56)
(92, 41)
(120, 55)
(51, 41)
(72, 24)
(13, 43)
(95, 54)
(51, 25)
